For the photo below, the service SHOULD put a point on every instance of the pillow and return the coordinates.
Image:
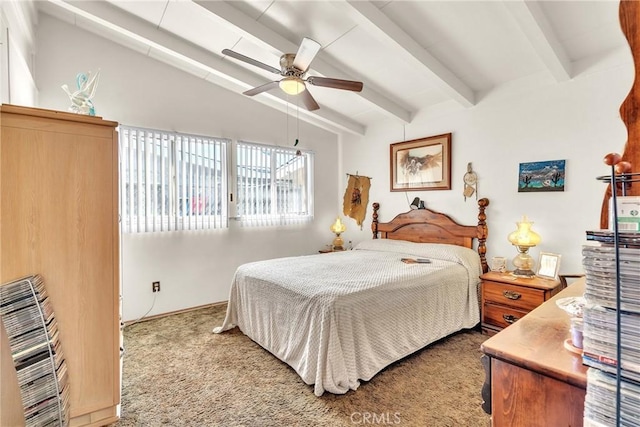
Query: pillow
(442, 251)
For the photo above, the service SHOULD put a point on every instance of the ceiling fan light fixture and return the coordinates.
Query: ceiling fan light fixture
(292, 85)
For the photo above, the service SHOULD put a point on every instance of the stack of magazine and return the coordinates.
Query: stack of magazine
(600, 329)
(626, 238)
(32, 330)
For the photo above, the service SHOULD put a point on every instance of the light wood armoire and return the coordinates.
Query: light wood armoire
(59, 219)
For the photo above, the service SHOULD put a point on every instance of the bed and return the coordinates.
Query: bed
(341, 317)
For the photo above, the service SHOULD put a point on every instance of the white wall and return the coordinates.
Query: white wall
(576, 120)
(530, 120)
(194, 268)
(17, 38)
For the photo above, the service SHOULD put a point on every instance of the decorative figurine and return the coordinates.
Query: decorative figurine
(470, 183)
(81, 99)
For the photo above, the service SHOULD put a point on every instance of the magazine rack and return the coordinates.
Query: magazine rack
(618, 257)
(32, 330)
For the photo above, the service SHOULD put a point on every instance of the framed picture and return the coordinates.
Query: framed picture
(541, 176)
(548, 265)
(421, 164)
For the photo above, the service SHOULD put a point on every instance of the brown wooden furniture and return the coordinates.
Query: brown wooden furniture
(59, 219)
(427, 226)
(507, 298)
(534, 380)
(629, 14)
(563, 278)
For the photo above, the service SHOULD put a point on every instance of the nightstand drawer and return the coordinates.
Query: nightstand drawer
(519, 297)
(500, 315)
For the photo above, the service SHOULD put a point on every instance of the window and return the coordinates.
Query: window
(171, 181)
(274, 185)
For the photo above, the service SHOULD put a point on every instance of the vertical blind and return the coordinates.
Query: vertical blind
(171, 181)
(274, 185)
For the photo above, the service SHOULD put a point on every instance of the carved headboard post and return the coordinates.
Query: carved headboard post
(374, 223)
(483, 232)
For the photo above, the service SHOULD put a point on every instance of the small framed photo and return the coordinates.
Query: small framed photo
(421, 164)
(548, 265)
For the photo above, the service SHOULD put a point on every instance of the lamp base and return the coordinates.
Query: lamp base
(338, 243)
(523, 263)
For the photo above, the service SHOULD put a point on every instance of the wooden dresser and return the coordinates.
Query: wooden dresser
(533, 380)
(59, 219)
(506, 298)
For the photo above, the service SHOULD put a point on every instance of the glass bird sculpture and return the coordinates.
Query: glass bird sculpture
(81, 99)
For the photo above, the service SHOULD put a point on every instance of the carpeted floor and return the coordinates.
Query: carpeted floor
(178, 373)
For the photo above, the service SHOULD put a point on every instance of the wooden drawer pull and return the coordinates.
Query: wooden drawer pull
(509, 318)
(511, 295)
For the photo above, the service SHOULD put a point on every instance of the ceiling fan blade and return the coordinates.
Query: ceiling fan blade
(251, 61)
(262, 88)
(308, 101)
(335, 83)
(306, 52)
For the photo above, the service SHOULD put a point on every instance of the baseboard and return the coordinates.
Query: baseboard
(171, 313)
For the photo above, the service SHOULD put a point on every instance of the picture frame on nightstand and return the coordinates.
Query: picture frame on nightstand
(548, 265)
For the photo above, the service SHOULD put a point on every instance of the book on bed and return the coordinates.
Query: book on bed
(415, 260)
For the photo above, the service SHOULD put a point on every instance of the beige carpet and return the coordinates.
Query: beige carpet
(178, 373)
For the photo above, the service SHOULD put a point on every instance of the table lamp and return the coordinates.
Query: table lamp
(338, 227)
(523, 239)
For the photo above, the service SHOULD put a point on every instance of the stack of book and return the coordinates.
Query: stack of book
(32, 330)
(600, 316)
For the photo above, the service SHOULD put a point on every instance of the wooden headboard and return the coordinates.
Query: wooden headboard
(427, 226)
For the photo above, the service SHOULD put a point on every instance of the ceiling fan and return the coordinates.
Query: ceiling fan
(293, 67)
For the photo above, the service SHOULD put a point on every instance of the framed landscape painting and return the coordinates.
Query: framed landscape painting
(421, 164)
(541, 176)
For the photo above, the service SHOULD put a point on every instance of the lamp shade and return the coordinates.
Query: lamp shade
(338, 227)
(524, 235)
(292, 85)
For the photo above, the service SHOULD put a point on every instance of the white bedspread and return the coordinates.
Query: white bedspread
(341, 317)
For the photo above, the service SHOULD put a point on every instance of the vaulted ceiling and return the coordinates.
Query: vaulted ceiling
(410, 55)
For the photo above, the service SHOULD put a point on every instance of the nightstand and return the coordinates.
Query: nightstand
(507, 298)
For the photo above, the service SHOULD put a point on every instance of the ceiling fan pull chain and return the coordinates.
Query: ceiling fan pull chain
(297, 121)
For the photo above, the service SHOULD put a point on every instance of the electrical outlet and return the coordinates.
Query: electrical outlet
(155, 286)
